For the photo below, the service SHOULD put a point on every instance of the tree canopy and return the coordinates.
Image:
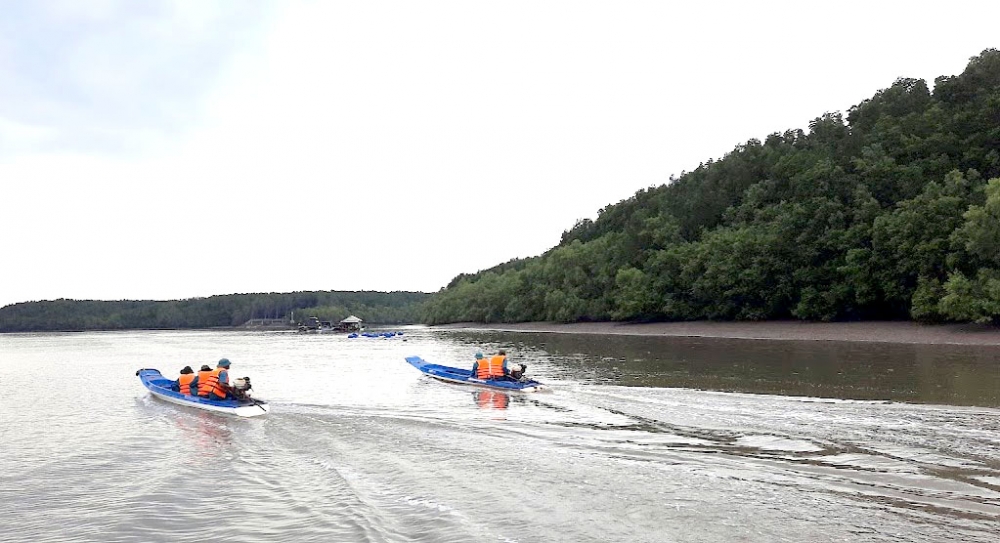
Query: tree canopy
(892, 212)
(214, 311)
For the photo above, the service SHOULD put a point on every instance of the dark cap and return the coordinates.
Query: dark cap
(204, 367)
(187, 370)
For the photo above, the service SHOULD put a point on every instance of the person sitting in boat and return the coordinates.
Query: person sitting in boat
(513, 372)
(214, 384)
(475, 365)
(494, 367)
(202, 377)
(187, 381)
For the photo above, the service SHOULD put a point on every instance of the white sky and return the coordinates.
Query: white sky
(163, 150)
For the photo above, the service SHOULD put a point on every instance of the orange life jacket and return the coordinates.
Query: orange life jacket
(490, 368)
(208, 383)
(203, 384)
(185, 382)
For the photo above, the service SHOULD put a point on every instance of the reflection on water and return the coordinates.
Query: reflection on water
(947, 374)
(360, 446)
(491, 399)
(204, 430)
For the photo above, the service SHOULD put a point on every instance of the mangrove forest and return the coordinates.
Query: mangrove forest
(891, 211)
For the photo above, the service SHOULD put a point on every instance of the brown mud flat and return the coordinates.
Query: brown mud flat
(873, 331)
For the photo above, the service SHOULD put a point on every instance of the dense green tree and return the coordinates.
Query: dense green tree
(977, 298)
(215, 311)
(912, 241)
(879, 214)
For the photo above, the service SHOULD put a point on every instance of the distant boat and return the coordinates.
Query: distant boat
(464, 377)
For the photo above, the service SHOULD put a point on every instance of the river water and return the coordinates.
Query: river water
(641, 439)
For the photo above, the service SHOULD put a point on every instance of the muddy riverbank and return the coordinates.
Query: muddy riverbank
(876, 332)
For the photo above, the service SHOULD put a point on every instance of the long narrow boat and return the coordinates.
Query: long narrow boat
(159, 386)
(463, 376)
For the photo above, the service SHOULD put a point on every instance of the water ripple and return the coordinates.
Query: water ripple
(365, 449)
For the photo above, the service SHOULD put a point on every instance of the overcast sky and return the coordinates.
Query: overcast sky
(164, 150)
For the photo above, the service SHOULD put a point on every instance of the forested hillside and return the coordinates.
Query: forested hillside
(890, 213)
(214, 311)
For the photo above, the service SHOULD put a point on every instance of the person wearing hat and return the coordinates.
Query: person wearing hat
(494, 367)
(215, 383)
(475, 365)
(187, 382)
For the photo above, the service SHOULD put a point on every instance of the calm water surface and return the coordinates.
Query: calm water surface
(642, 439)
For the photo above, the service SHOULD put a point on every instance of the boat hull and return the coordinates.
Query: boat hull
(461, 376)
(159, 387)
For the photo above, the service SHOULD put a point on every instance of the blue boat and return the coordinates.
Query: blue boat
(464, 376)
(160, 387)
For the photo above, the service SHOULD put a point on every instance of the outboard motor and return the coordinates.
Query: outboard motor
(517, 371)
(241, 388)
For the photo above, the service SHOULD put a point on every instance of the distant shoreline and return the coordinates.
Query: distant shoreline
(871, 332)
